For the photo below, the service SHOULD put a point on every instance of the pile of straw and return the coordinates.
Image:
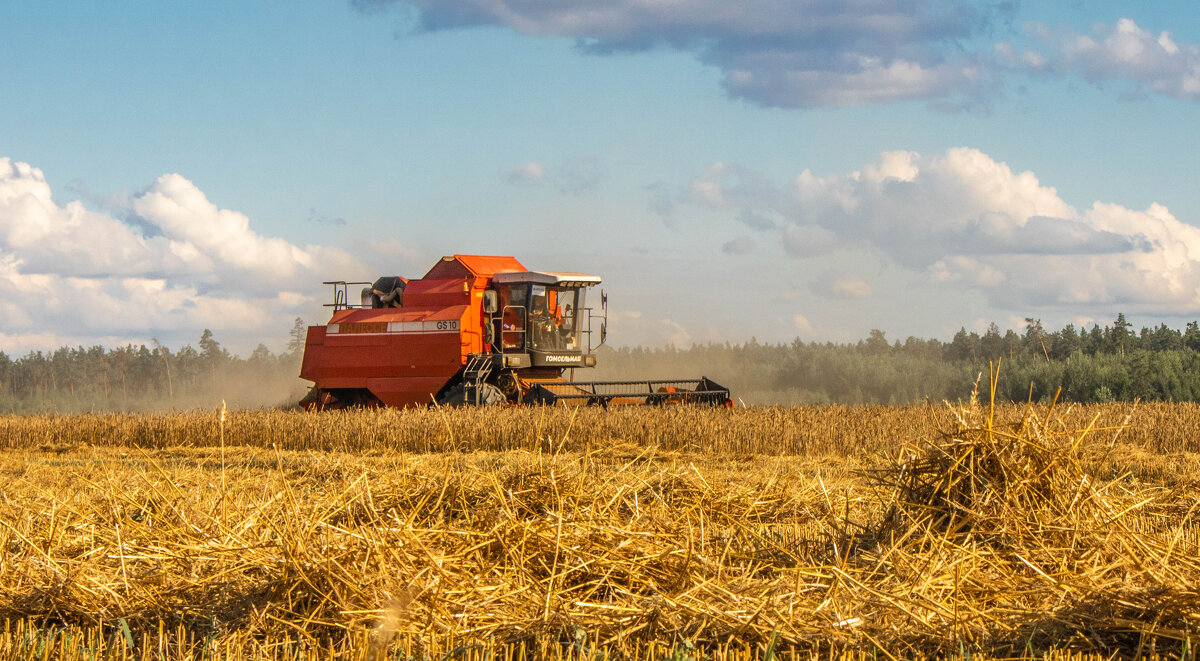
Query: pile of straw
(1012, 536)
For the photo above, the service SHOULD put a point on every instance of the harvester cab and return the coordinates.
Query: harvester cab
(474, 330)
(542, 319)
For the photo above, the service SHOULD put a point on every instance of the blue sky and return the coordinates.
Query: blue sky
(768, 169)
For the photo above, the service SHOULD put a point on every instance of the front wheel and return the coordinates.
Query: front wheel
(489, 395)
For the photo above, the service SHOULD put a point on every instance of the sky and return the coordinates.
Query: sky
(768, 169)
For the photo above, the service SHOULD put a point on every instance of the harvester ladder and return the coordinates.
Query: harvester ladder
(479, 366)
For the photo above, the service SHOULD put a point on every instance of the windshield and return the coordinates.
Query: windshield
(541, 318)
(555, 318)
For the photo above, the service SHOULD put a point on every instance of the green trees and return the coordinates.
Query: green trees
(72, 379)
(1093, 364)
(1096, 364)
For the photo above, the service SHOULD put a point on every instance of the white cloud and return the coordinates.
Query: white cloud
(846, 286)
(802, 325)
(1122, 51)
(851, 287)
(529, 173)
(858, 80)
(965, 220)
(174, 264)
(573, 176)
(730, 184)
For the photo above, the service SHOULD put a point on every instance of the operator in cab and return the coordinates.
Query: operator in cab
(541, 321)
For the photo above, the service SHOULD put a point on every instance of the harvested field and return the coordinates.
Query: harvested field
(836, 431)
(867, 532)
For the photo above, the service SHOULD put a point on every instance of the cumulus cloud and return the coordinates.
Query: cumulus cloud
(529, 173)
(1122, 51)
(802, 325)
(963, 219)
(730, 184)
(796, 53)
(168, 263)
(572, 177)
(849, 79)
(844, 286)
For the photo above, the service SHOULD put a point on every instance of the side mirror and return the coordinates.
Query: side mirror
(603, 301)
(491, 302)
(603, 332)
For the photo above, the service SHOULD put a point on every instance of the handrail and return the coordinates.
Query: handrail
(341, 298)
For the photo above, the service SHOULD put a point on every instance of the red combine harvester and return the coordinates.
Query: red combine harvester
(475, 330)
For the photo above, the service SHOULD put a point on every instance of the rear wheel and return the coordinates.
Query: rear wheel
(489, 395)
(319, 399)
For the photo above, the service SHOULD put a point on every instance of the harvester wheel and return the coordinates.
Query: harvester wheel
(489, 395)
(333, 400)
(316, 400)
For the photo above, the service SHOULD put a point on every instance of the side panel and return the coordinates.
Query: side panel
(414, 391)
(349, 361)
(401, 362)
(314, 344)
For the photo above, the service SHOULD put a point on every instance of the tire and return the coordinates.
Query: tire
(315, 400)
(334, 400)
(489, 395)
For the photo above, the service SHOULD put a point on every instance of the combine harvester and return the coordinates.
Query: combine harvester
(475, 330)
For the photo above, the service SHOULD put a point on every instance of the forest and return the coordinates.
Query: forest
(151, 378)
(1091, 365)
(1094, 364)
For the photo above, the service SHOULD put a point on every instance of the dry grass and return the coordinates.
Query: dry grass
(811, 532)
(838, 431)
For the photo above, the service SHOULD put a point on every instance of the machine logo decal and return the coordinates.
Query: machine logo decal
(393, 328)
(363, 327)
(562, 359)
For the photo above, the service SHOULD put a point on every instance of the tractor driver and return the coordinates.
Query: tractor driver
(388, 292)
(542, 322)
(566, 328)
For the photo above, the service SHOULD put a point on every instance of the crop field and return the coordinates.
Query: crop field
(809, 532)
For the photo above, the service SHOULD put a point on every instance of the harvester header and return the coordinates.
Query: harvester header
(474, 330)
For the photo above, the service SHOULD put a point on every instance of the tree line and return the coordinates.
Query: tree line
(149, 378)
(1095, 364)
